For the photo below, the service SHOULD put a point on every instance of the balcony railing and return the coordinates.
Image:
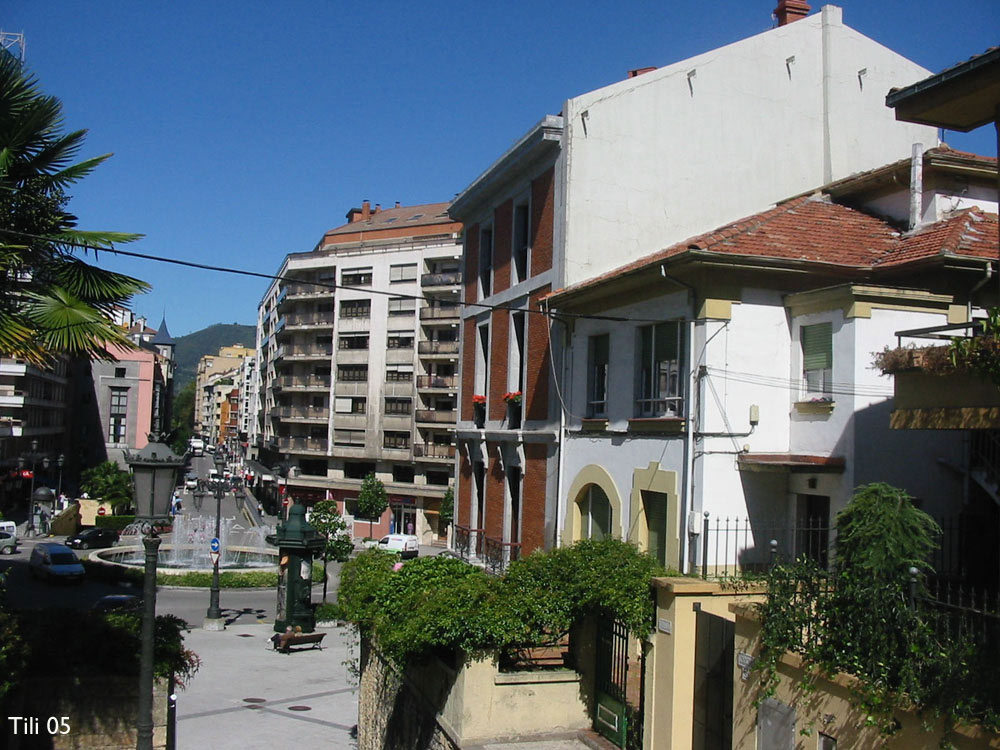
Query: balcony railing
(302, 289)
(450, 312)
(438, 347)
(307, 382)
(302, 412)
(498, 554)
(302, 444)
(437, 381)
(308, 352)
(451, 278)
(437, 416)
(430, 450)
(309, 319)
(468, 542)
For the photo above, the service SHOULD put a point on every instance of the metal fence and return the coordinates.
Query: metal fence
(744, 546)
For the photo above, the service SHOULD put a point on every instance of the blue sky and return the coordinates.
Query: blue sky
(243, 130)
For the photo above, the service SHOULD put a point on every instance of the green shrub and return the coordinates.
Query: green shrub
(327, 612)
(113, 522)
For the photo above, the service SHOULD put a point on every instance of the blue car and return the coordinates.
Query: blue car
(55, 562)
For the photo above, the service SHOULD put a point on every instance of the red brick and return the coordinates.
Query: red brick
(502, 238)
(494, 495)
(533, 490)
(469, 345)
(470, 255)
(463, 513)
(499, 342)
(542, 218)
(537, 356)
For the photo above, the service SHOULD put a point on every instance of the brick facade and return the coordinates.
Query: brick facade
(499, 343)
(494, 495)
(542, 219)
(537, 356)
(463, 513)
(470, 258)
(503, 217)
(468, 384)
(533, 493)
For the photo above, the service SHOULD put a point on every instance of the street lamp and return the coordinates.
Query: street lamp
(61, 461)
(154, 474)
(21, 461)
(213, 617)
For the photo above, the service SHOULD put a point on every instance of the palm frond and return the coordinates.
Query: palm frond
(17, 339)
(92, 239)
(92, 284)
(68, 325)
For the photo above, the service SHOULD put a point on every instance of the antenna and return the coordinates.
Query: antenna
(9, 40)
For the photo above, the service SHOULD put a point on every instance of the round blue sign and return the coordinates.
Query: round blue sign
(215, 544)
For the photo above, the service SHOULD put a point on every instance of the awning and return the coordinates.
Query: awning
(790, 462)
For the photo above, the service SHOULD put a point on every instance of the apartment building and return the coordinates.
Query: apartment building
(358, 364)
(212, 368)
(622, 172)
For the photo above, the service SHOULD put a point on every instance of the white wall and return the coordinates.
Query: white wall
(655, 159)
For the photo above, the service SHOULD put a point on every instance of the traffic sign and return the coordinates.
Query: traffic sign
(101, 511)
(215, 544)
(215, 557)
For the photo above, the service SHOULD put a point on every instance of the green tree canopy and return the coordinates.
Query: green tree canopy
(110, 483)
(372, 500)
(51, 301)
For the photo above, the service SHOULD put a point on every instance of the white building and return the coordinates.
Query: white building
(738, 378)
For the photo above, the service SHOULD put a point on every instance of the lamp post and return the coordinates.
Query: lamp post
(21, 462)
(154, 474)
(213, 617)
(61, 461)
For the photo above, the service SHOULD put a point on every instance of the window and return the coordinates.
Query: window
(402, 306)
(660, 361)
(352, 342)
(655, 507)
(355, 308)
(817, 360)
(396, 440)
(399, 373)
(349, 438)
(352, 373)
(353, 405)
(356, 277)
(119, 372)
(598, 349)
(398, 405)
(485, 262)
(358, 470)
(403, 474)
(399, 341)
(118, 415)
(595, 512)
(521, 235)
(438, 477)
(407, 272)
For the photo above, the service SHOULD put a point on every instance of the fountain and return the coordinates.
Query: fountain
(186, 548)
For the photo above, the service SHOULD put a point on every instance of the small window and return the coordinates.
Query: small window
(521, 240)
(356, 277)
(352, 373)
(396, 440)
(350, 405)
(817, 360)
(399, 373)
(398, 405)
(661, 357)
(402, 306)
(352, 342)
(119, 372)
(402, 473)
(598, 361)
(485, 262)
(355, 308)
(406, 272)
(349, 438)
(399, 341)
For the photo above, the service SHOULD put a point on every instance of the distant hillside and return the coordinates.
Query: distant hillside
(195, 345)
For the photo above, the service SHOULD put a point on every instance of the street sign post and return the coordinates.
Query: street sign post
(215, 557)
(214, 544)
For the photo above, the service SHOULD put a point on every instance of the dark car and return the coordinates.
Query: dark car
(93, 539)
(118, 603)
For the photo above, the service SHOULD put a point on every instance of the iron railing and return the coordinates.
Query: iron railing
(468, 541)
(446, 278)
(741, 546)
(437, 381)
(431, 450)
(498, 554)
(437, 347)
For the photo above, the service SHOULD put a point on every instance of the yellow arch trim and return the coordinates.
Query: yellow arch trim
(588, 475)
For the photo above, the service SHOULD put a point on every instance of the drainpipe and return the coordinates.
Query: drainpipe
(561, 440)
(916, 185)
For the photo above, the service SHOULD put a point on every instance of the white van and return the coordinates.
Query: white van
(9, 526)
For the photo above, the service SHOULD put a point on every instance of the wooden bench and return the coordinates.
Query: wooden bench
(285, 641)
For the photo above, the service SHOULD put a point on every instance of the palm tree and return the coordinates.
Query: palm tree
(51, 301)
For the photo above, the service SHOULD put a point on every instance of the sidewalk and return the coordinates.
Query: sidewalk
(246, 695)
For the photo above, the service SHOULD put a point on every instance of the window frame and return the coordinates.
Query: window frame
(651, 403)
(816, 348)
(597, 402)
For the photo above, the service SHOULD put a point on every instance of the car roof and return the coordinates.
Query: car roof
(53, 547)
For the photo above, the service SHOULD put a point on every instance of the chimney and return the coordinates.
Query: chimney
(378, 208)
(366, 210)
(791, 10)
(639, 71)
(397, 204)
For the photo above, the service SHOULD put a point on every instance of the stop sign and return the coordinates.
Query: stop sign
(101, 511)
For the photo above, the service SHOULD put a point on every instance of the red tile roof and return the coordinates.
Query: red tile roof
(814, 229)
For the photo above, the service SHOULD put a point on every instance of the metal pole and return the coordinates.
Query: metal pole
(144, 724)
(31, 497)
(214, 612)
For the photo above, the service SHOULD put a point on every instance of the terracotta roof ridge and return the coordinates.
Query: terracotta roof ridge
(747, 224)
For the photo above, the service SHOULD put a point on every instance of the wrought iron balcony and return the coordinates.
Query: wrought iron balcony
(437, 381)
(438, 347)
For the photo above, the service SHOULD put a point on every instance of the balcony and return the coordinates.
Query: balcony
(449, 313)
(451, 278)
(302, 445)
(303, 382)
(303, 290)
(310, 320)
(437, 416)
(429, 382)
(432, 451)
(302, 413)
(498, 554)
(437, 347)
(468, 542)
(308, 352)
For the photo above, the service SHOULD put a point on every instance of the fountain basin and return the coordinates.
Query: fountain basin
(172, 560)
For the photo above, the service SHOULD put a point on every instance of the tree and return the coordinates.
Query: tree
(109, 483)
(326, 519)
(372, 500)
(182, 419)
(447, 508)
(51, 301)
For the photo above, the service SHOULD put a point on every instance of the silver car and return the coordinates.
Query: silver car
(8, 543)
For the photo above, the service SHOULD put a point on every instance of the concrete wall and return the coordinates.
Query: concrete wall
(672, 153)
(827, 707)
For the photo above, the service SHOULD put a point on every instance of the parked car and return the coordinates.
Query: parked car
(93, 539)
(8, 543)
(407, 545)
(55, 562)
(118, 603)
(191, 483)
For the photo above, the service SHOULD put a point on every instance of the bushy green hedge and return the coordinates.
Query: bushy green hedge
(443, 603)
(113, 522)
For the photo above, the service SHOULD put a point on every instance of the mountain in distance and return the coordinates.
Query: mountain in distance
(192, 347)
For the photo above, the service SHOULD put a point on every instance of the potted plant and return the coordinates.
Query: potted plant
(479, 410)
(513, 401)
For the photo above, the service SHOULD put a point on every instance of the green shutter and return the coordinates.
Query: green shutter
(817, 347)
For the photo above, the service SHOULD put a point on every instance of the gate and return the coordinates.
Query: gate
(713, 683)
(611, 715)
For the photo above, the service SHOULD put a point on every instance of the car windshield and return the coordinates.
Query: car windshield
(63, 558)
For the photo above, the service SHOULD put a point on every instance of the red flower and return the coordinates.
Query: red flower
(512, 397)
(479, 400)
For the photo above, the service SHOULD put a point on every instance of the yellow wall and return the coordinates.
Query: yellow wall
(827, 708)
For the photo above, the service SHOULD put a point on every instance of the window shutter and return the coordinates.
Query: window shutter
(817, 347)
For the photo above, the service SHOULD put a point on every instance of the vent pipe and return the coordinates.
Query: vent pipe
(916, 185)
